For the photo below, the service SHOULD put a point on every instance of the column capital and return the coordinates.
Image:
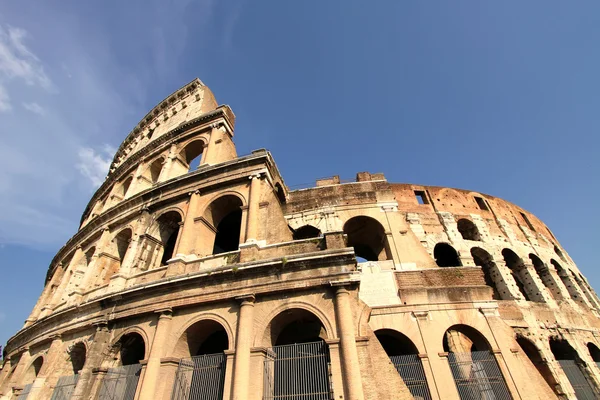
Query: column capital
(166, 313)
(246, 299)
(101, 325)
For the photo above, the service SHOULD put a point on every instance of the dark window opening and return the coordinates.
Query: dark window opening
(217, 342)
(78, 356)
(515, 264)
(192, 154)
(464, 339)
(481, 203)
(228, 233)
(468, 230)
(169, 248)
(394, 343)
(527, 221)
(133, 349)
(421, 197)
(446, 256)
(296, 326)
(306, 232)
(484, 260)
(545, 276)
(594, 352)
(532, 352)
(280, 193)
(367, 236)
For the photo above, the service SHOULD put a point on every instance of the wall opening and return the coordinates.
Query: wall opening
(572, 366)
(559, 253)
(169, 225)
(78, 357)
(534, 355)
(421, 197)
(521, 276)
(491, 274)
(481, 203)
(125, 187)
(306, 232)
(192, 154)
(567, 281)
(121, 242)
(446, 256)
(280, 193)
(34, 370)
(367, 236)
(544, 273)
(155, 169)
(468, 230)
(202, 338)
(132, 349)
(527, 221)
(224, 216)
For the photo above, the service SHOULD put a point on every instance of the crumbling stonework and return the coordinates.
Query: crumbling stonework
(397, 290)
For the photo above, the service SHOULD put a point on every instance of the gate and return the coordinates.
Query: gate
(411, 371)
(298, 372)
(64, 387)
(580, 385)
(477, 376)
(200, 377)
(25, 392)
(120, 383)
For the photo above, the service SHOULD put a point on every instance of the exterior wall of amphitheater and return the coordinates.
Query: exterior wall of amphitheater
(447, 270)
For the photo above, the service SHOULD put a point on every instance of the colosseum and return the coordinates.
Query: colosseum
(198, 274)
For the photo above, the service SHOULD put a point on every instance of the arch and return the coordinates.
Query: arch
(468, 230)
(305, 308)
(534, 355)
(567, 281)
(462, 338)
(191, 153)
(153, 171)
(367, 236)
(204, 336)
(490, 271)
(223, 217)
(279, 192)
(395, 343)
(559, 253)
(131, 348)
(542, 271)
(306, 232)
(124, 187)
(34, 369)
(594, 352)
(446, 256)
(78, 355)
(518, 271)
(121, 242)
(167, 227)
(181, 348)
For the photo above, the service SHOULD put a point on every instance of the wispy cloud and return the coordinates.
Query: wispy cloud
(94, 165)
(34, 108)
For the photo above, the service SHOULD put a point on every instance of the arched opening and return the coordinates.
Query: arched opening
(224, 219)
(169, 225)
(584, 289)
(589, 290)
(125, 187)
(484, 260)
(567, 281)
(405, 357)
(301, 364)
(446, 256)
(594, 353)
(204, 372)
(78, 357)
(367, 236)
(542, 270)
(474, 368)
(132, 349)
(280, 193)
(110, 262)
(306, 232)
(534, 355)
(521, 276)
(572, 366)
(155, 169)
(121, 242)
(192, 154)
(559, 253)
(121, 382)
(34, 370)
(468, 230)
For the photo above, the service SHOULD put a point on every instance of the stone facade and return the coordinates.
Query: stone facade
(174, 261)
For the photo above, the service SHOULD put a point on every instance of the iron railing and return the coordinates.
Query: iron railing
(580, 384)
(298, 372)
(120, 383)
(64, 387)
(477, 376)
(25, 393)
(200, 378)
(411, 371)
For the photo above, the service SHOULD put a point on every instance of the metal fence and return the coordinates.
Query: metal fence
(201, 377)
(25, 393)
(120, 383)
(298, 372)
(64, 387)
(411, 371)
(477, 376)
(580, 384)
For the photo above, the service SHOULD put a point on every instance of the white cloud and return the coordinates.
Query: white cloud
(17, 61)
(35, 108)
(93, 165)
(4, 100)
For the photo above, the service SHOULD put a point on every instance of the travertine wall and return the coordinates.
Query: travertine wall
(167, 256)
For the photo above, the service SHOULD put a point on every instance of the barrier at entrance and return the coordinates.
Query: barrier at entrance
(120, 383)
(410, 368)
(478, 376)
(64, 387)
(25, 393)
(200, 377)
(298, 372)
(580, 385)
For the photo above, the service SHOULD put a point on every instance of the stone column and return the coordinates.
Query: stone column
(349, 354)
(21, 368)
(43, 380)
(253, 209)
(165, 172)
(161, 335)
(243, 342)
(187, 240)
(93, 360)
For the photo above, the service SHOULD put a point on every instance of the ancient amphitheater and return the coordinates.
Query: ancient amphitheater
(197, 274)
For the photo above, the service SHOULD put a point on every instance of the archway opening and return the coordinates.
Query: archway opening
(122, 241)
(34, 370)
(534, 355)
(594, 353)
(367, 236)
(296, 326)
(205, 337)
(224, 215)
(446, 256)
(484, 260)
(132, 349)
(155, 169)
(169, 225)
(125, 186)
(78, 357)
(474, 368)
(404, 356)
(567, 281)
(517, 270)
(306, 232)
(192, 154)
(280, 193)
(542, 271)
(571, 365)
(468, 230)
(559, 253)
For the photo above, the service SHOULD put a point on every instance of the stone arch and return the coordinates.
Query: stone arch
(124, 186)
(521, 276)
(192, 152)
(545, 276)
(131, 347)
(208, 334)
(395, 343)
(165, 230)
(266, 338)
(306, 232)
(34, 369)
(461, 338)
(368, 238)
(222, 220)
(152, 172)
(446, 256)
(564, 276)
(468, 230)
(535, 356)
(491, 274)
(279, 193)
(179, 349)
(574, 367)
(559, 253)
(594, 352)
(78, 356)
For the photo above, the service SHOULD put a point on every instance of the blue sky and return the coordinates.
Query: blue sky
(498, 97)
